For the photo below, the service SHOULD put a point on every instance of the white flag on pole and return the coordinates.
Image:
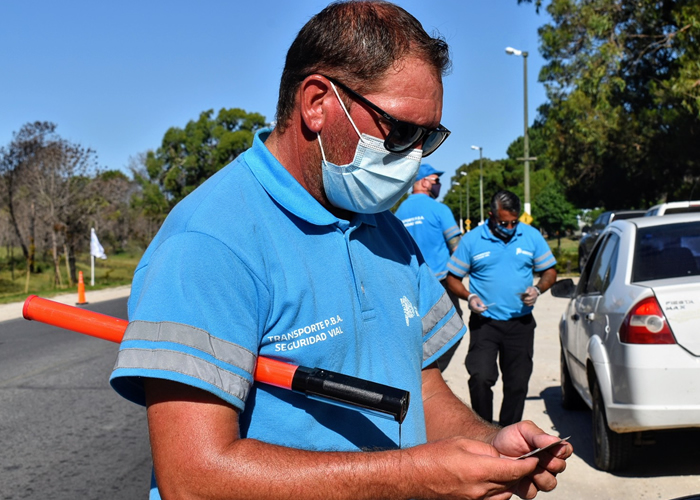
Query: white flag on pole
(96, 249)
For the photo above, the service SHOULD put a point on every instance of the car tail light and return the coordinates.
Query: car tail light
(646, 324)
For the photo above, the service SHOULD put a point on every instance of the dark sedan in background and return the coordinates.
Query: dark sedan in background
(591, 233)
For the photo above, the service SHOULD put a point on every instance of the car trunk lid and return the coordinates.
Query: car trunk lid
(681, 305)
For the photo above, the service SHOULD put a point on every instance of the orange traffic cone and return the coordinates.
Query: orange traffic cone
(81, 290)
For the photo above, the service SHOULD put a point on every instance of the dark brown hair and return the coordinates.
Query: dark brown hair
(355, 41)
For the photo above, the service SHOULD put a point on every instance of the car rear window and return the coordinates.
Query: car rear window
(668, 251)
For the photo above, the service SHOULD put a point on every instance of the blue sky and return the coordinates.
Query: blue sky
(114, 76)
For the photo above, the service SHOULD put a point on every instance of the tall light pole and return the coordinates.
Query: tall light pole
(466, 196)
(526, 146)
(460, 205)
(481, 182)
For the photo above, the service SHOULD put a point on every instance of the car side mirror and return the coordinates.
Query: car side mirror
(563, 289)
(586, 229)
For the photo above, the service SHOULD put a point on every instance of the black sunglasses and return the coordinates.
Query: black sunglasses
(403, 135)
(507, 223)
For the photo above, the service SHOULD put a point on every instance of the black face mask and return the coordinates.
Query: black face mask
(501, 232)
(435, 190)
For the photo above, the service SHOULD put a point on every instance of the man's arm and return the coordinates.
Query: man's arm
(452, 243)
(547, 278)
(455, 285)
(446, 416)
(198, 454)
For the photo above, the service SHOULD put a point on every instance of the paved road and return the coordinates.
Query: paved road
(65, 434)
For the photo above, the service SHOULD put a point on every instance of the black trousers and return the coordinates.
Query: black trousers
(444, 360)
(510, 342)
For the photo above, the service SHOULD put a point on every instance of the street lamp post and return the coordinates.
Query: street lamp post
(466, 198)
(481, 182)
(526, 146)
(460, 205)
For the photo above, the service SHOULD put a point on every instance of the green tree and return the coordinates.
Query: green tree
(538, 3)
(148, 203)
(553, 212)
(17, 160)
(623, 82)
(494, 178)
(189, 156)
(541, 173)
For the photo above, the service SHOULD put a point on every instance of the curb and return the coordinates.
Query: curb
(14, 310)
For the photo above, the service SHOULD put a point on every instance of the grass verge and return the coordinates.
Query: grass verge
(116, 270)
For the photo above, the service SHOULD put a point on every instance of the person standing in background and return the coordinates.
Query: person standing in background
(435, 231)
(500, 257)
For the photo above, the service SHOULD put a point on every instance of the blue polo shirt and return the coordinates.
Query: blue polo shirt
(499, 272)
(251, 264)
(432, 225)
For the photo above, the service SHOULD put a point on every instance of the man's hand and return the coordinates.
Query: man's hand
(462, 468)
(523, 437)
(476, 304)
(529, 297)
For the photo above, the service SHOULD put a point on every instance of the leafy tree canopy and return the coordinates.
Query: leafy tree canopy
(189, 156)
(553, 212)
(623, 119)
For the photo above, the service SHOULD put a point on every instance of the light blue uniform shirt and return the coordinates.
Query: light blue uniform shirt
(499, 272)
(432, 225)
(250, 263)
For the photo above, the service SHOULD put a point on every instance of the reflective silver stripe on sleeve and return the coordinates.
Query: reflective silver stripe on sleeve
(196, 338)
(542, 257)
(546, 265)
(442, 336)
(436, 313)
(186, 364)
(457, 267)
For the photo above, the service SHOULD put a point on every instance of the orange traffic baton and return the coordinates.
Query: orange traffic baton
(321, 384)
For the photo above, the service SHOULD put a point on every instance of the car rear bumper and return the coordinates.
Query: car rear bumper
(631, 418)
(655, 387)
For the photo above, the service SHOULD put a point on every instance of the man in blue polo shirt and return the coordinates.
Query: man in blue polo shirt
(290, 252)
(433, 226)
(500, 257)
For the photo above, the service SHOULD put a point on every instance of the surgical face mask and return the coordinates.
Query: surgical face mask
(375, 180)
(502, 232)
(435, 190)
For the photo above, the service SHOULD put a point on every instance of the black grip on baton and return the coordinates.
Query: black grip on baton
(352, 391)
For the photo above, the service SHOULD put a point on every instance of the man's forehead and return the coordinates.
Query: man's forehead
(413, 94)
(503, 213)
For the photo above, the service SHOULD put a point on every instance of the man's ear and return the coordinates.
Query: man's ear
(314, 93)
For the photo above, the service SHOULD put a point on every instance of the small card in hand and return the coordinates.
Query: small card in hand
(535, 452)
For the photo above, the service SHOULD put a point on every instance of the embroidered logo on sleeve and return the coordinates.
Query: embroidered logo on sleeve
(409, 310)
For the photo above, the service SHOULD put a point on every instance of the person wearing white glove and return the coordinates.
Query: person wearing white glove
(500, 257)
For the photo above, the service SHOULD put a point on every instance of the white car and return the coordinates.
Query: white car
(673, 207)
(630, 335)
